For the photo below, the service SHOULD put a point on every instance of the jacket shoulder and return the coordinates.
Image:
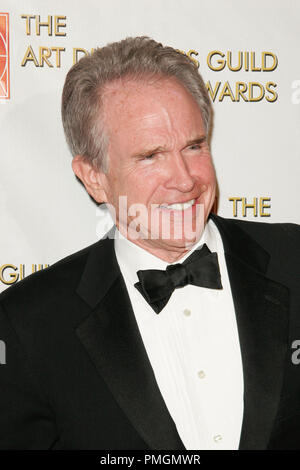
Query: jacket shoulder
(281, 241)
(269, 235)
(49, 283)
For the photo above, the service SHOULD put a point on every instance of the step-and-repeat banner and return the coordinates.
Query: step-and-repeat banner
(248, 55)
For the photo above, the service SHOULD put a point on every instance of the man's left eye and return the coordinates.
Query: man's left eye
(149, 157)
(195, 147)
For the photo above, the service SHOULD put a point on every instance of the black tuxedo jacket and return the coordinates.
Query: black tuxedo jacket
(77, 375)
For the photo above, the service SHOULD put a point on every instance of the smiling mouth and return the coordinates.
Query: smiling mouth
(178, 206)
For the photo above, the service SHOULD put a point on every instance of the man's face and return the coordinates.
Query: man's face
(158, 157)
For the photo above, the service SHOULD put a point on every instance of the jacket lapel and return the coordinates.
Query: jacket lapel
(262, 319)
(112, 338)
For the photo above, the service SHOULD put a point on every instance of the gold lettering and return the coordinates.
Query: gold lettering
(22, 271)
(14, 277)
(44, 55)
(77, 50)
(263, 206)
(246, 206)
(39, 267)
(229, 61)
(58, 51)
(262, 91)
(246, 60)
(264, 55)
(235, 201)
(58, 25)
(39, 23)
(226, 91)
(29, 55)
(221, 62)
(253, 68)
(239, 92)
(190, 54)
(273, 93)
(213, 92)
(28, 18)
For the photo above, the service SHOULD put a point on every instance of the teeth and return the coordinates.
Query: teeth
(179, 207)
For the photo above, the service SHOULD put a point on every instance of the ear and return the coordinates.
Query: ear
(90, 177)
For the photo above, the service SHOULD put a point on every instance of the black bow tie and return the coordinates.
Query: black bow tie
(201, 268)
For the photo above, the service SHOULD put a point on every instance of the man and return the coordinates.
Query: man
(175, 331)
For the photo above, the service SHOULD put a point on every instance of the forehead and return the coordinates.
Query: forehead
(141, 105)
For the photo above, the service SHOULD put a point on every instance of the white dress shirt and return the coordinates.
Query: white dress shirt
(193, 347)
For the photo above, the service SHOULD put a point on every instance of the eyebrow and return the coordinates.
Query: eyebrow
(197, 140)
(150, 151)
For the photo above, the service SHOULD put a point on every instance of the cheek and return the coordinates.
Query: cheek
(118, 183)
(145, 182)
(211, 175)
(204, 172)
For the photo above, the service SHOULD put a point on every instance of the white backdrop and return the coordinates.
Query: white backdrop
(45, 213)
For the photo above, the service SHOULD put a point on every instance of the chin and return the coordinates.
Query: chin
(177, 246)
(185, 241)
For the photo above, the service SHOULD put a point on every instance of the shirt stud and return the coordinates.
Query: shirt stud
(187, 312)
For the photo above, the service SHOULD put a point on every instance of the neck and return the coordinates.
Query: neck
(169, 255)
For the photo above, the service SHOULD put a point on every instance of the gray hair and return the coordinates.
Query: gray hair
(135, 58)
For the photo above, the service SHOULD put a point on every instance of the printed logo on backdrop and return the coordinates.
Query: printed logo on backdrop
(4, 56)
(242, 206)
(225, 64)
(251, 62)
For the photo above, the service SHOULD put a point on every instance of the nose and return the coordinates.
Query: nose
(179, 176)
